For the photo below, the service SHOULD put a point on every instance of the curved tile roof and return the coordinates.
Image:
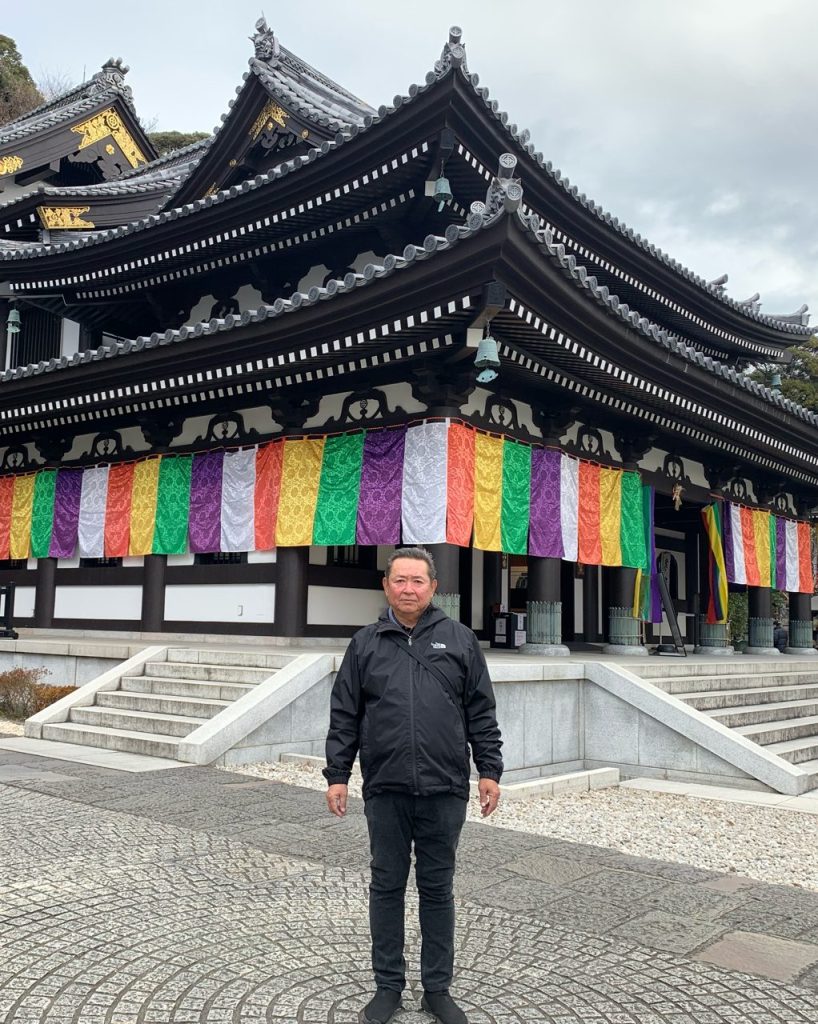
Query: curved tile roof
(452, 62)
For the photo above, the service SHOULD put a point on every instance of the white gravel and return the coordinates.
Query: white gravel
(763, 843)
(10, 726)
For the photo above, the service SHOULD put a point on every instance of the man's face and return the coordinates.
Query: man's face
(408, 588)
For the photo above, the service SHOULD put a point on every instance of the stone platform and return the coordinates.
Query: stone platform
(196, 895)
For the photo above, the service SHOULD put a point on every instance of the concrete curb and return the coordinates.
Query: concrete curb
(698, 727)
(225, 730)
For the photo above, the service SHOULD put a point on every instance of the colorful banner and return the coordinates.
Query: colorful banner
(429, 483)
(765, 550)
(717, 571)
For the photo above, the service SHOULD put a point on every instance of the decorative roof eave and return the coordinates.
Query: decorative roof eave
(602, 296)
(790, 324)
(275, 174)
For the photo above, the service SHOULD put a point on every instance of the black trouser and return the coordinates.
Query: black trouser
(433, 823)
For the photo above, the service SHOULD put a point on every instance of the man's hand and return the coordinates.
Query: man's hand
(337, 799)
(489, 796)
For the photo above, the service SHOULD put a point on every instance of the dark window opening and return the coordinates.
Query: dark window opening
(13, 563)
(100, 563)
(221, 558)
(352, 556)
(39, 339)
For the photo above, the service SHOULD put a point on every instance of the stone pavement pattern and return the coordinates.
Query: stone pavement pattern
(193, 895)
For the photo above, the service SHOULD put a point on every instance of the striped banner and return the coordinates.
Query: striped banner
(430, 483)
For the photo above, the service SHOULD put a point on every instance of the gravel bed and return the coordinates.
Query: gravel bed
(763, 843)
(10, 726)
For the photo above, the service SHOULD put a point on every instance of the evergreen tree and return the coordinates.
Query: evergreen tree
(165, 142)
(799, 378)
(18, 93)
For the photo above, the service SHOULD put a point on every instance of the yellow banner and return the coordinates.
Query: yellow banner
(21, 506)
(488, 492)
(610, 515)
(143, 506)
(761, 532)
(300, 477)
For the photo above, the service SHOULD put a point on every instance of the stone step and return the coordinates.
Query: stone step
(708, 701)
(781, 732)
(250, 659)
(726, 666)
(773, 711)
(135, 721)
(206, 672)
(192, 707)
(800, 751)
(811, 767)
(708, 684)
(187, 687)
(113, 739)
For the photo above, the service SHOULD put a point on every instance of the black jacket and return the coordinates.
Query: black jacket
(410, 733)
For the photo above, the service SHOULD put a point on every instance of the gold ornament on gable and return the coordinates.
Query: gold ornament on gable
(271, 114)
(64, 217)
(10, 164)
(105, 124)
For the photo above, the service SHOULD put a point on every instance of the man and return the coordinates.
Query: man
(412, 694)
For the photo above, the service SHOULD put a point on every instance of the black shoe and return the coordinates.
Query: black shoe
(443, 1008)
(381, 1008)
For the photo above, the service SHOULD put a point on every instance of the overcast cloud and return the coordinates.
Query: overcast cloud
(694, 121)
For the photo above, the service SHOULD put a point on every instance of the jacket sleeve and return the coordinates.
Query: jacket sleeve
(481, 717)
(346, 711)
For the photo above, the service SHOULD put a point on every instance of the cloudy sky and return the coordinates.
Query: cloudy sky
(694, 121)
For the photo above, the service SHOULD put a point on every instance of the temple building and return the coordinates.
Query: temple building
(238, 375)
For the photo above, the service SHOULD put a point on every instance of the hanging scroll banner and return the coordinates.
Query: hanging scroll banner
(460, 485)
(379, 503)
(339, 488)
(488, 492)
(238, 526)
(21, 508)
(143, 506)
(301, 476)
(425, 470)
(717, 571)
(42, 515)
(269, 458)
(765, 550)
(172, 506)
(65, 527)
(93, 499)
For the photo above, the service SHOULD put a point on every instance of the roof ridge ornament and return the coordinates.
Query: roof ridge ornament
(718, 283)
(267, 45)
(453, 55)
(505, 193)
(113, 74)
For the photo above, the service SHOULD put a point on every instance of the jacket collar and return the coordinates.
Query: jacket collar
(429, 617)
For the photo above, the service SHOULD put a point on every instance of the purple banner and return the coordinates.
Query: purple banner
(379, 505)
(780, 553)
(545, 529)
(66, 513)
(729, 549)
(204, 525)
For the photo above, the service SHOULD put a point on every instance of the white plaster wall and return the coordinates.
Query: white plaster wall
(249, 297)
(132, 437)
(24, 602)
(260, 556)
(221, 602)
(397, 396)
(69, 563)
(201, 311)
(70, 342)
(579, 625)
(98, 602)
(383, 555)
(318, 555)
(133, 562)
(343, 606)
(255, 418)
(186, 559)
(653, 462)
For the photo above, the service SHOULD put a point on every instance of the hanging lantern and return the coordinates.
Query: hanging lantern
(487, 360)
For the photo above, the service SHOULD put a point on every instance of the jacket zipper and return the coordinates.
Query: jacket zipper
(412, 723)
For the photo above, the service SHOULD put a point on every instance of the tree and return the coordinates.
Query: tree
(799, 378)
(165, 142)
(18, 93)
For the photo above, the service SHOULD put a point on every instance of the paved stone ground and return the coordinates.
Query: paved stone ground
(194, 895)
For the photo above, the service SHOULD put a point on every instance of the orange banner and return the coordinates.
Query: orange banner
(590, 540)
(460, 485)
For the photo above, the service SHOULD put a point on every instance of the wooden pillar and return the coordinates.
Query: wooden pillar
(492, 587)
(623, 628)
(447, 563)
(590, 605)
(153, 593)
(760, 621)
(800, 625)
(292, 565)
(544, 608)
(44, 592)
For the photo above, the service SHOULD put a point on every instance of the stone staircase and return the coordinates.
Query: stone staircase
(150, 713)
(769, 701)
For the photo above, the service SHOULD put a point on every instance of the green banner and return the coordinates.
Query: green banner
(172, 505)
(631, 527)
(336, 512)
(515, 509)
(42, 512)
